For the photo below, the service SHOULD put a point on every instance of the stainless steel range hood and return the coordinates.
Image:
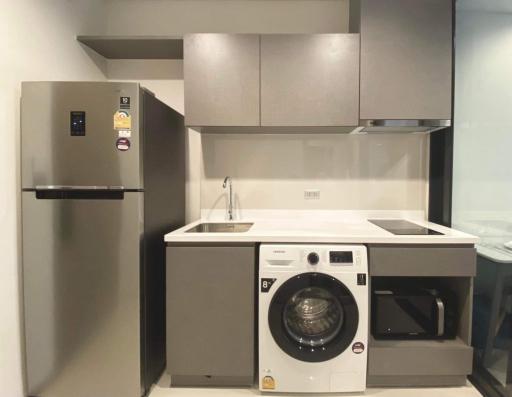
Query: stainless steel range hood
(401, 126)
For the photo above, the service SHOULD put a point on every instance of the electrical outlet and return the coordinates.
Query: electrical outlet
(312, 194)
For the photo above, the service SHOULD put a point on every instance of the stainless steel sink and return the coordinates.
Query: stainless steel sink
(220, 228)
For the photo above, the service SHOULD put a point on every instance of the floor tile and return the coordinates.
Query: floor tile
(162, 390)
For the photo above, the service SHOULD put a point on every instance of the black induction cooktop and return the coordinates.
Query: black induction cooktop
(403, 228)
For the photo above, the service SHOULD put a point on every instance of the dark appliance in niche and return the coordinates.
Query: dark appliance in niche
(413, 310)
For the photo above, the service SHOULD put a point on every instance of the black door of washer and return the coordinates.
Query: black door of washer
(313, 317)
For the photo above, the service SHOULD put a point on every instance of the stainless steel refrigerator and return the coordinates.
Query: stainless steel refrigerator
(102, 181)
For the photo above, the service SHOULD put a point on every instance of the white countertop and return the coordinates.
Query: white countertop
(312, 230)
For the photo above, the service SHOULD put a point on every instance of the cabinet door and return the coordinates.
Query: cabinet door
(221, 73)
(210, 314)
(406, 59)
(310, 80)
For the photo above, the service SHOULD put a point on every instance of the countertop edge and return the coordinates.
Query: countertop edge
(271, 236)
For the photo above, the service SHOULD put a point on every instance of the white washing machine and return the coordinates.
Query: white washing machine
(313, 318)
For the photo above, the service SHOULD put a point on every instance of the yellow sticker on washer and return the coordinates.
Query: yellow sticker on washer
(268, 383)
(122, 120)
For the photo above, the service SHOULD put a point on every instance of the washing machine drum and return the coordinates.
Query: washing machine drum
(313, 317)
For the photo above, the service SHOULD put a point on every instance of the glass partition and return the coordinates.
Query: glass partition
(482, 177)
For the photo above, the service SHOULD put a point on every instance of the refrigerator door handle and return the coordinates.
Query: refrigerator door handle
(54, 192)
(74, 187)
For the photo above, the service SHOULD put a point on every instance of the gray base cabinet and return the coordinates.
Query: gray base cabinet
(424, 362)
(210, 315)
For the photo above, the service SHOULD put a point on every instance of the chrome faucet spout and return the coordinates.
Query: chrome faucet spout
(229, 183)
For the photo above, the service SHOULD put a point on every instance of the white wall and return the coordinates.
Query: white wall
(163, 77)
(37, 42)
(483, 137)
(352, 172)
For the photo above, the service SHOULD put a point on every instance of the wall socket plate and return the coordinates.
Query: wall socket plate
(311, 194)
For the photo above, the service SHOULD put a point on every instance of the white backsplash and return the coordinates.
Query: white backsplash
(324, 216)
(351, 172)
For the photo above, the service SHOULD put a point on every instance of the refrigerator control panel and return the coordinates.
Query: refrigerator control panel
(77, 123)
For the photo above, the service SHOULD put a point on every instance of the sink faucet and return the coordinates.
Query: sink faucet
(230, 196)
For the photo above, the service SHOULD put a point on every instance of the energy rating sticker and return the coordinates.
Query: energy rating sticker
(122, 120)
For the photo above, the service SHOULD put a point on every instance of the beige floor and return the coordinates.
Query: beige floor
(162, 390)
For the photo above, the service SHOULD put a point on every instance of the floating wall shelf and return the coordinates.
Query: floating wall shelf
(135, 47)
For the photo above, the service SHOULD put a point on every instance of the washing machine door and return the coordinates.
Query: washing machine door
(313, 317)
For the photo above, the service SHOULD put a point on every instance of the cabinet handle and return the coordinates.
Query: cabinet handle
(440, 317)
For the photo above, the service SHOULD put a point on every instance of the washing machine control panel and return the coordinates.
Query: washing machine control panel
(314, 257)
(325, 257)
(320, 257)
(341, 257)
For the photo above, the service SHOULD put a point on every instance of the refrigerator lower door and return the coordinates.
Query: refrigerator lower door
(81, 285)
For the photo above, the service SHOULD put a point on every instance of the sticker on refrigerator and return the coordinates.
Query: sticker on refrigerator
(125, 133)
(124, 102)
(123, 144)
(122, 120)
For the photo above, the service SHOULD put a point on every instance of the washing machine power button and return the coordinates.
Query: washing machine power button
(313, 258)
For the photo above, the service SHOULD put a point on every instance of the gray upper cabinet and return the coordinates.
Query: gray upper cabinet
(222, 79)
(310, 80)
(406, 59)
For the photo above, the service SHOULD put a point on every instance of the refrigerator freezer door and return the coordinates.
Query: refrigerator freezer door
(80, 134)
(81, 274)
